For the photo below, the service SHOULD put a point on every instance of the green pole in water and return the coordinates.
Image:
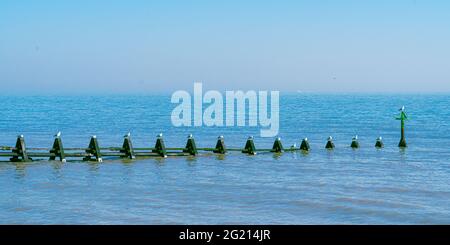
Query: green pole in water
(402, 119)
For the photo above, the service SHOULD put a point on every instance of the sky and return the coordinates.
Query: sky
(73, 47)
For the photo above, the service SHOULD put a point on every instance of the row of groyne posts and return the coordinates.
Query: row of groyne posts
(20, 153)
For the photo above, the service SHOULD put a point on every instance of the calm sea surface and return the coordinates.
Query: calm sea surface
(344, 186)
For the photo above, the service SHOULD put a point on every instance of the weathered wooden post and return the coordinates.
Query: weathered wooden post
(249, 146)
(355, 143)
(330, 144)
(379, 143)
(277, 146)
(93, 150)
(160, 147)
(21, 151)
(58, 149)
(191, 148)
(402, 119)
(220, 146)
(127, 147)
(304, 146)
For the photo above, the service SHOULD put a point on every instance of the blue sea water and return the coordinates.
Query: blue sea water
(343, 186)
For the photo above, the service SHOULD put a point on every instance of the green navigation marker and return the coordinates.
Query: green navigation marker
(402, 117)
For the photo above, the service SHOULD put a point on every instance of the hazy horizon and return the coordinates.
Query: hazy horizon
(141, 47)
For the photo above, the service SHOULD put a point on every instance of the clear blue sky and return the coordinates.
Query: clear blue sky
(145, 46)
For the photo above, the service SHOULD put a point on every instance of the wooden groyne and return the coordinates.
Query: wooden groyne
(21, 153)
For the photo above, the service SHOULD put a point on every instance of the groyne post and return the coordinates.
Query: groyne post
(249, 146)
(160, 147)
(191, 148)
(379, 143)
(93, 150)
(20, 150)
(304, 146)
(277, 146)
(330, 144)
(220, 146)
(127, 147)
(57, 149)
(355, 142)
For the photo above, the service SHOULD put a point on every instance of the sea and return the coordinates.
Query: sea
(391, 185)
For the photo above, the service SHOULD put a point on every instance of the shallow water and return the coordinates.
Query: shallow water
(343, 186)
